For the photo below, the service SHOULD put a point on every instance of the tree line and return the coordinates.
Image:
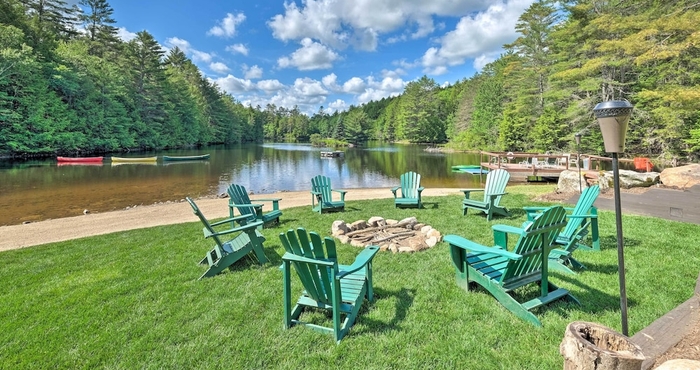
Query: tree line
(68, 84)
(541, 91)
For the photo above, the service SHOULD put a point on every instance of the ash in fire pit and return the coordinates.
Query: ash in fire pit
(407, 235)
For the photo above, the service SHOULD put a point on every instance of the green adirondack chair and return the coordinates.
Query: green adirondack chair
(494, 189)
(322, 193)
(410, 191)
(583, 217)
(225, 254)
(238, 199)
(327, 285)
(500, 271)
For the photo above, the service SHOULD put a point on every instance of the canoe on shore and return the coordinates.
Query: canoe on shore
(185, 157)
(464, 166)
(79, 159)
(473, 171)
(134, 159)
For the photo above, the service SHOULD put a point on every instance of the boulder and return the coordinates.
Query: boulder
(338, 226)
(358, 225)
(374, 221)
(357, 243)
(569, 182)
(434, 234)
(344, 239)
(681, 177)
(680, 364)
(409, 221)
(628, 179)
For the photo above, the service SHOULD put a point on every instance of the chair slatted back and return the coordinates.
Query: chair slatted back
(410, 182)
(208, 229)
(322, 184)
(583, 207)
(239, 195)
(496, 182)
(540, 234)
(317, 279)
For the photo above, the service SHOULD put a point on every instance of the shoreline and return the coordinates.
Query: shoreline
(91, 224)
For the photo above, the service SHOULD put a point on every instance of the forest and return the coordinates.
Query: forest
(64, 91)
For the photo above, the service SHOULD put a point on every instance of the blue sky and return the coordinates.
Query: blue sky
(330, 53)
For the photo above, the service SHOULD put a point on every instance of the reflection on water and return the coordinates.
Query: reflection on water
(42, 189)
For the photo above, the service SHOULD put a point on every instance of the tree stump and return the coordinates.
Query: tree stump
(592, 346)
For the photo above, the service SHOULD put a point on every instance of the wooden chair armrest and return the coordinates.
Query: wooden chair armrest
(507, 229)
(275, 202)
(229, 220)
(466, 191)
(394, 189)
(339, 191)
(420, 189)
(247, 226)
(583, 216)
(361, 261)
(460, 242)
(294, 258)
(559, 252)
(254, 205)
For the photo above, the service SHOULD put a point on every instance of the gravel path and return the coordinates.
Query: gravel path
(49, 231)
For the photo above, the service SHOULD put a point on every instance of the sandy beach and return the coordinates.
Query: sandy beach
(49, 231)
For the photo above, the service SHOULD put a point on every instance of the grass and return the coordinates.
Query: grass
(132, 300)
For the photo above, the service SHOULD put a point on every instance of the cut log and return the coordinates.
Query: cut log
(592, 346)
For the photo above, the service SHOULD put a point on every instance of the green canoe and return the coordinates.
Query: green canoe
(185, 157)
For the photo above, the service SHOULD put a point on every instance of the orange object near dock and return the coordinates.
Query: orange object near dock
(643, 164)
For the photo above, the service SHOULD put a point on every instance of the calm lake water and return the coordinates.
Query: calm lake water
(42, 189)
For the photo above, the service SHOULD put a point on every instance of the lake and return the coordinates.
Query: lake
(35, 190)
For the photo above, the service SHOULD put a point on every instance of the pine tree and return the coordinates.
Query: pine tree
(98, 22)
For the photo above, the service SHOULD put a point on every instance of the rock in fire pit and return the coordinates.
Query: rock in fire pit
(407, 235)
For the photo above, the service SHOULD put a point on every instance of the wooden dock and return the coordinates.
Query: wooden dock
(541, 167)
(331, 154)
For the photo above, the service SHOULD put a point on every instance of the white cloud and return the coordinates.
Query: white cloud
(253, 72)
(331, 81)
(200, 56)
(354, 85)
(308, 87)
(393, 74)
(376, 90)
(269, 86)
(478, 37)
(219, 67)
(237, 48)
(340, 23)
(235, 85)
(310, 56)
(227, 26)
(337, 105)
(125, 35)
(184, 45)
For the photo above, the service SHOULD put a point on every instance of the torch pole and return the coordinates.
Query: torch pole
(620, 245)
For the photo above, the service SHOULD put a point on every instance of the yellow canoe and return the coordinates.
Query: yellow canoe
(134, 159)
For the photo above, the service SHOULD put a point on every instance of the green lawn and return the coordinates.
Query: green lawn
(132, 300)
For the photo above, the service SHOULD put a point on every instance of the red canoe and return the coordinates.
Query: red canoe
(79, 159)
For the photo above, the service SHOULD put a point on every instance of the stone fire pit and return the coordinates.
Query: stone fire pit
(407, 235)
